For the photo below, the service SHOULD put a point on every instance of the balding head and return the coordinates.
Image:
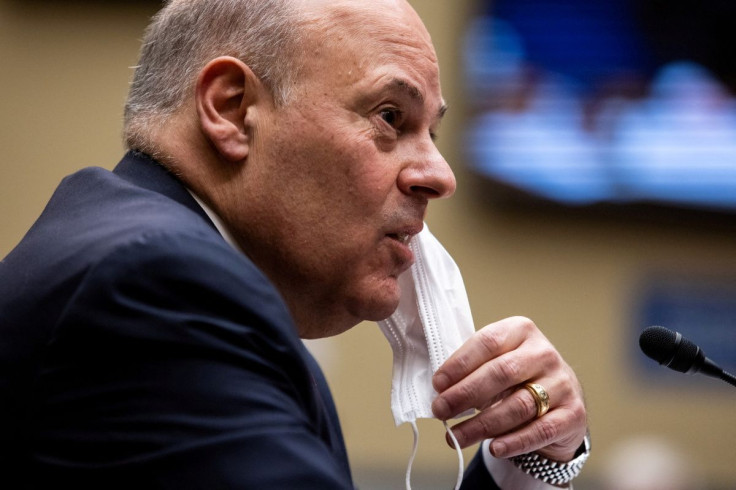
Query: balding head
(371, 22)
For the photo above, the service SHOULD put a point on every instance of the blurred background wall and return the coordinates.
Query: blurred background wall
(66, 69)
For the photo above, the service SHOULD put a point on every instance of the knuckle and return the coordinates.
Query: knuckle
(570, 392)
(461, 365)
(464, 394)
(549, 356)
(464, 365)
(506, 370)
(491, 341)
(525, 323)
(579, 414)
(485, 425)
(524, 408)
(547, 431)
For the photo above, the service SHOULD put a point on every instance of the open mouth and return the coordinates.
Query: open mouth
(400, 237)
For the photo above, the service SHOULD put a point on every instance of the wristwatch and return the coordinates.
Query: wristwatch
(550, 471)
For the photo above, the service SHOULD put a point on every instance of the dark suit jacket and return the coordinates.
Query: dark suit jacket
(139, 350)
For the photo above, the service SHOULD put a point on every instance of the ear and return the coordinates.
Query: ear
(226, 91)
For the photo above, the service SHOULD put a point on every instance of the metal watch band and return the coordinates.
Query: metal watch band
(553, 472)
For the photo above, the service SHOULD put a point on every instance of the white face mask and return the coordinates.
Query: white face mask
(433, 319)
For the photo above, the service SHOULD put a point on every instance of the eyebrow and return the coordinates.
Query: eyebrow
(413, 92)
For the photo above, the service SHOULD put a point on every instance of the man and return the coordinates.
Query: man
(282, 158)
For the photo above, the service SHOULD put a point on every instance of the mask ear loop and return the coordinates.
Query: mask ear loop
(460, 459)
(461, 463)
(413, 453)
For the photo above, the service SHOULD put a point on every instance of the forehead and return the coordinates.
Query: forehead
(375, 18)
(350, 39)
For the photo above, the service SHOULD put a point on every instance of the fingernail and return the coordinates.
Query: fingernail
(498, 449)
(441, 382)
(440, 408)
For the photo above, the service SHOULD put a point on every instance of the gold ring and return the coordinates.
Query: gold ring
(541, 397)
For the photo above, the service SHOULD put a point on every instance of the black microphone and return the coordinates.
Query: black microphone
(676, 352)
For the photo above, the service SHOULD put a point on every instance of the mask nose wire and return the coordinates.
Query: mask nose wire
(461, 463)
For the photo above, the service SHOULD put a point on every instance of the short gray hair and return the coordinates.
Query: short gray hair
(186, 34)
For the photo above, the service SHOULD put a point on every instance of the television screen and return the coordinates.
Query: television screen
(622, 102)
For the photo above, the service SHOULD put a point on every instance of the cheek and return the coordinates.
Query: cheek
(330, 177)
(350, 177)
(372, 173)
(369, 177)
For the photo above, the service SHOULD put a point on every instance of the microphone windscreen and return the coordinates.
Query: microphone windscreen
(658, 343)
(664, 346)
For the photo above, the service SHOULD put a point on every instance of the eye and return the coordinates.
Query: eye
(391, 116)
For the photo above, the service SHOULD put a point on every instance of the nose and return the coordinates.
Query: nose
(428, 175)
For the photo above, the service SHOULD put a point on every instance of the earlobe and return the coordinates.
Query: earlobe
(226, 90)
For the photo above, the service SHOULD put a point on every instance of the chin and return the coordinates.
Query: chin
(381, 313)
(355, 305)
(377, 306)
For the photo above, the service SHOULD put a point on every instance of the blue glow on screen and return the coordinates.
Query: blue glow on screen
(576, 105)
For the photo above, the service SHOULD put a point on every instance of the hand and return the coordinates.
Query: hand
(488, 373)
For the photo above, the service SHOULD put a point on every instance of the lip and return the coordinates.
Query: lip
(400, 238)
(403, 234)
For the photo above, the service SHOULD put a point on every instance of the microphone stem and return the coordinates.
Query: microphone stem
(728, 378)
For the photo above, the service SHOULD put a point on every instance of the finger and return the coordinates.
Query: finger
(534, 358)
(511, 413)
(487, 343)
(481, 388)
(556, 436)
